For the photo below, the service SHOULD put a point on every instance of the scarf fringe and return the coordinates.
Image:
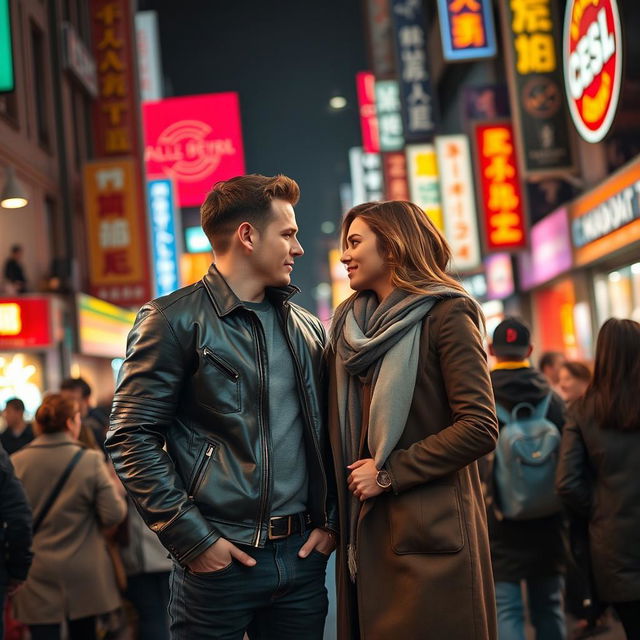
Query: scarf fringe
(351, 561)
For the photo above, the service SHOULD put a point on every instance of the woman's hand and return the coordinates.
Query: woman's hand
(362, 480)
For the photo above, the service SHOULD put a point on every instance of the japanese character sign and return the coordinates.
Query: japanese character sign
(424, 187)
(500, 190)
(115, 112)
(395, 176)
(418, 107)
(458, 203)
(115, 234)
(389, 114)
(367, 181)
(467, 29)
(538, 104)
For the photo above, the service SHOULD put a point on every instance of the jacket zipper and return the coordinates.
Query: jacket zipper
(219, 363)
(202, 467)
(307, 412)
(264, 436)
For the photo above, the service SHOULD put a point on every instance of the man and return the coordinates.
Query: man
(550, 364)
(15, 533)
(228, 374)
(529, 550)
(93, 429)
(18, 432)
(14, 271)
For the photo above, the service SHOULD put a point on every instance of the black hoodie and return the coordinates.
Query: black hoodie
(527, 548)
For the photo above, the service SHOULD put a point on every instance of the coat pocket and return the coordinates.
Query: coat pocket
(217, 383)
(201, 468)
(426, 520)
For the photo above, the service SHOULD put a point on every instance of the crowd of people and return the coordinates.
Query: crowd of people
(455, 495)
(79, 559)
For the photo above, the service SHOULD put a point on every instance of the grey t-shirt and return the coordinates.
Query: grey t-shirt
(286, 426)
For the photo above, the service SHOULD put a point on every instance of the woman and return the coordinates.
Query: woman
(71, 576)
(411, 412)
(573, 380)
(597, 473)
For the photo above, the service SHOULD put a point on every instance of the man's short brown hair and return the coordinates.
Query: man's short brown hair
(243, 199)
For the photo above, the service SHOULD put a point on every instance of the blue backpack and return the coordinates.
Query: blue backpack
(526, 460)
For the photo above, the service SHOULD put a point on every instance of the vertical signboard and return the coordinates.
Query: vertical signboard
(194, 140)
(389, 114)
(458, 203)
(366, 176)
(467, 29)
(366, 89)
(424, 188)
(149, 64)
(396, 186)
(118, 269)
(418, 106)
(115, 112)
(7, 81)
(500, 190)
(380, 37)
(164, 236)
(592, 54)
(531, 36)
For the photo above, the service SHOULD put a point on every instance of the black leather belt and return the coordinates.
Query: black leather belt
(284, 526)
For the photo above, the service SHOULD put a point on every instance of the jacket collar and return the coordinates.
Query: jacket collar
(225, 300)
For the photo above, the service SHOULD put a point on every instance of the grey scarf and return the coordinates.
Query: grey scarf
(377, 344)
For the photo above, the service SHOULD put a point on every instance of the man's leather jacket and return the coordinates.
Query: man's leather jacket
(189, 433)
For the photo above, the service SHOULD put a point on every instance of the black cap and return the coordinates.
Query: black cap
(511, 338)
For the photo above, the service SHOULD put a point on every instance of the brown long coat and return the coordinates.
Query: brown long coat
(424, 566)
(71, 575)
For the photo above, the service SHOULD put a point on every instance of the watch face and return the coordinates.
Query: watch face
(383, 479)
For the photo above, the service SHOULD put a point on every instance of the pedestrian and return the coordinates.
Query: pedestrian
(573, 379)
(147, 567)
(228, 374)
(72, 496)
(14, 274)
(549, 365)
(94, 427)
(597, 475)
(18, 432)
(15, 534)
(527, 550)
(411, 411)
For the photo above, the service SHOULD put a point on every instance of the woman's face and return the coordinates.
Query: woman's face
(365, 266)
(571, 387)
(74, 425)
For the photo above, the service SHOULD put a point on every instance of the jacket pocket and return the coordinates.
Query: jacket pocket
(201, 468)
(218, 383)
(426, 520)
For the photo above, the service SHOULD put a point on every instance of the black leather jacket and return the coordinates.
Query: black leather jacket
(189, 436)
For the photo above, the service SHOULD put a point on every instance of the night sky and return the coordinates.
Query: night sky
(286, 60)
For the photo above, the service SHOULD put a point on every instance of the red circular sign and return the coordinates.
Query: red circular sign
(592, 54)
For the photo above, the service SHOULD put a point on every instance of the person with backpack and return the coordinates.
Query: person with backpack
(526, 525)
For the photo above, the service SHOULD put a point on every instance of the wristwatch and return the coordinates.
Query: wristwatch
(383, 479)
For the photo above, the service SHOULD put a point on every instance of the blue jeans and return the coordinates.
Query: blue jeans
(282, 597)
(545, 609)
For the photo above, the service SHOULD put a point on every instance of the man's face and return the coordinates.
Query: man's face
(76, 396)
(12, 416)
(276, 246)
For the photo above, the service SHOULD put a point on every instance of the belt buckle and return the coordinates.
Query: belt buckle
(273, 536)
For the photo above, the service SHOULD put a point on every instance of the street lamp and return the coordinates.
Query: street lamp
(13, 195)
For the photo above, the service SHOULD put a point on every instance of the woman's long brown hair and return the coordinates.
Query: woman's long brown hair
(615, 388)
(416, 252)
